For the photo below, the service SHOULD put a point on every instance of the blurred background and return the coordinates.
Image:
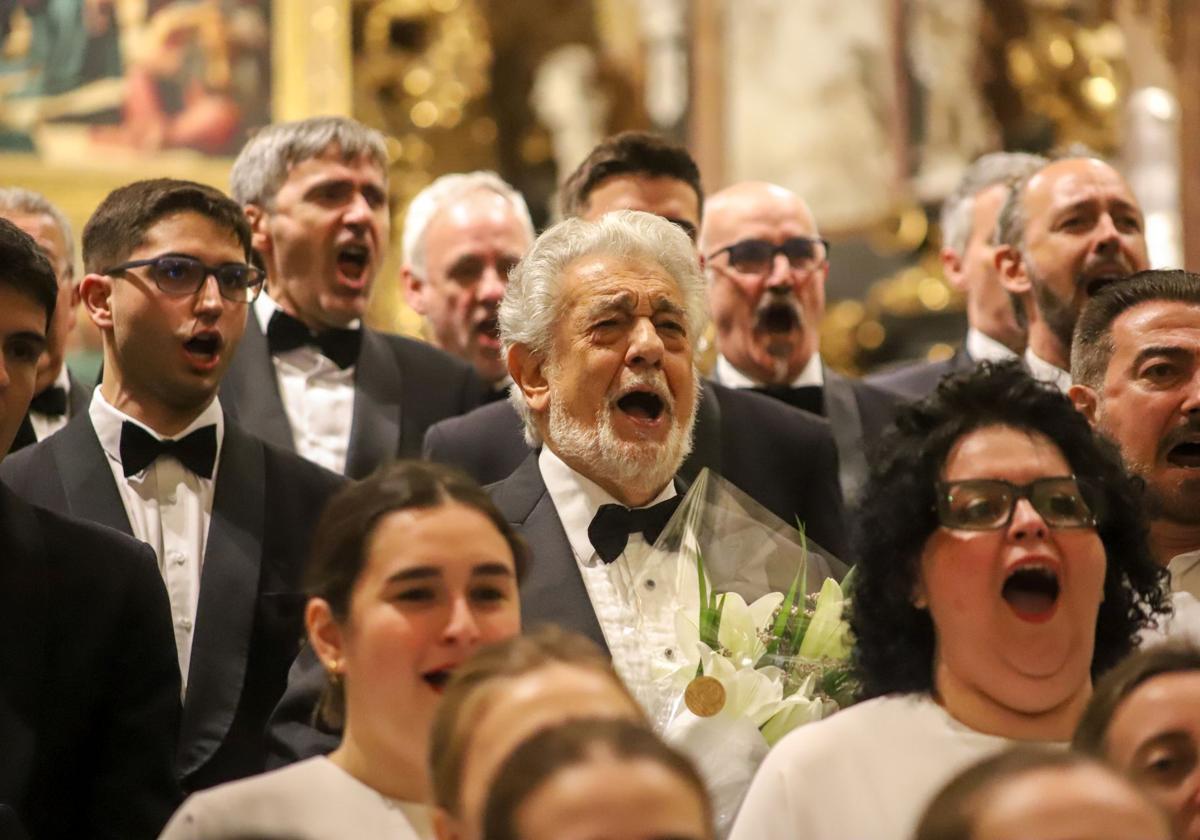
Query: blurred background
(870, 109)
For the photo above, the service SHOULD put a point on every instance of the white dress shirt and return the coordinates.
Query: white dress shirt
(1185, 573)
(635, 597)
(170, 508)
(729, 376)
(318, 397)
(983, 348)
(45, 425)
(1044, 371)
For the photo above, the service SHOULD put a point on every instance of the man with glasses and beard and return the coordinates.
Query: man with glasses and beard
(767, 265)
(1135, 361)
(1065, 231)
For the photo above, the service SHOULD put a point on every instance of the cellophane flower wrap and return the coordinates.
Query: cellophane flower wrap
(764, 619)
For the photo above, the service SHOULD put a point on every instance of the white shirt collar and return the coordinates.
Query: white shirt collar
(1183, 564)
(577, 498)
(1043, 371)
(981, 347)
(726, 374)
(265, 306)
(107, 420)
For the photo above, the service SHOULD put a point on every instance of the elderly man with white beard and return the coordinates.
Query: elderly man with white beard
(599, 326)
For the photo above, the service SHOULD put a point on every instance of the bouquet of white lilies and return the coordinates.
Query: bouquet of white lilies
(764, 647)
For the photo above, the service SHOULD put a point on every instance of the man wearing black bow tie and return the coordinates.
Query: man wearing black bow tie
(767, 265)
(309, 376)
(169, 284)
(59, 395)
(89, 686)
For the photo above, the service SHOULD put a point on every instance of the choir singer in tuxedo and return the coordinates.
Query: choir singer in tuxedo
(169, 284)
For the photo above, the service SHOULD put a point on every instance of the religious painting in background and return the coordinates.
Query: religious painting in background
(95, 80)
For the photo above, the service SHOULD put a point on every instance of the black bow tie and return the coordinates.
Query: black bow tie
(51, 402)
(340, 346)
(810, 398)
(612, 525)
(140, 449)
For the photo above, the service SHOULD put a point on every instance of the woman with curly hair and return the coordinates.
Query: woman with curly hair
(1003, 564)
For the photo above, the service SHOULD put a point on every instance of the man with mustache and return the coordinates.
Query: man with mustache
(767, 265)
(599, 325)
(1135, 361)
(462, 235)
(169, 285)
(309, 377)
(968, 222)
(1065, 231)
(756, 442)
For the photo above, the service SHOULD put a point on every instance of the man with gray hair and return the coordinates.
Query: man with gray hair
(1064, 232)
(462, 235)
(58, 394)
(599, 328)
(309, 377)
(968, 221)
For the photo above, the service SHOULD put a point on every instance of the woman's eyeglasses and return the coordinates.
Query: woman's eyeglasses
(985, 504)
(178, 276)
(757, 256)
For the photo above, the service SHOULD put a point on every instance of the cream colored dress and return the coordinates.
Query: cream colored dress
(311, 800)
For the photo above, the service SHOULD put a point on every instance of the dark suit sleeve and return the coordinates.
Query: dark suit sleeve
(293, 732)
(135, 722)
(487, 444)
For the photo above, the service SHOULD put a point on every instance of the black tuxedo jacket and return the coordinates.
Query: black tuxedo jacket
(89, 681)
(552, 590)
(401, 388)
(858, 414)
(783, 458)
(79, 396)
(249, 620)
(919, 379)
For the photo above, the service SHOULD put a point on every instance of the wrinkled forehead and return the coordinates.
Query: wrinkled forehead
(1066, 183)
(599, 280)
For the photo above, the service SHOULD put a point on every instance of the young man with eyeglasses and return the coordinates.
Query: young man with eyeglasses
(168, 283)
(767, 265)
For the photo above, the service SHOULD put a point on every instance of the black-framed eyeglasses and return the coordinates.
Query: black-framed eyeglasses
(986, 504)
(177, 275)
(757, 256)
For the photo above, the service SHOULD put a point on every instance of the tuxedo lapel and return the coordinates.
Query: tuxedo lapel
(250, 390)
(79, 396)
(552, 591)
(845, 421)
(706, 435)
(87, 479)
(228, 594)
(376, 429)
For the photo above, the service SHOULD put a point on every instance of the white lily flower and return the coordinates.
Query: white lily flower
(742, 625)
(826, 637)
(795, 710)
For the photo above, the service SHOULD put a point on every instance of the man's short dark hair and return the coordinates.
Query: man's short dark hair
(25, 269)
(629, 153)
(1092, 345)
(894, 639)
(1091, 735)
(119, 224)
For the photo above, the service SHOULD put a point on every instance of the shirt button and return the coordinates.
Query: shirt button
(650, 584)
(170, 498)
(184, 624)
(176, 557)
